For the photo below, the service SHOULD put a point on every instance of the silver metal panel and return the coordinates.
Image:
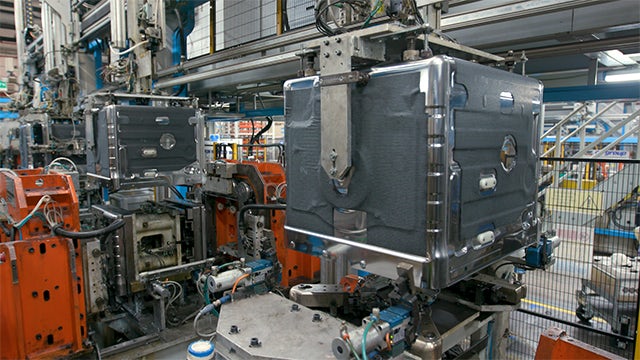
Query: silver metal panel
(310, 340)
(95, 288)
(141, 142)
(422, 194)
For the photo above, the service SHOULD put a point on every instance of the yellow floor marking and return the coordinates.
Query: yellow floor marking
(527, 301)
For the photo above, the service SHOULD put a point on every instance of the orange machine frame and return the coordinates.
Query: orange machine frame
(296, 266)
(41, 282)
(556, 344)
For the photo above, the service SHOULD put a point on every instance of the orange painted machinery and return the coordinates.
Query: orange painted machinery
(556, 344)
(42, 303)
(250, 195)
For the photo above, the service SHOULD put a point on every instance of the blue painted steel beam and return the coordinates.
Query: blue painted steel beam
(95, 47)
(615, 233)
(249, 114)
(9, 115)
(629, 90)
(276, 111)
(4, 100)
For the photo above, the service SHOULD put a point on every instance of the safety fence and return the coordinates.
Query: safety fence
(591, 291)
(238, 22)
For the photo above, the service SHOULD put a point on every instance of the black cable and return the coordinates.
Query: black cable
(180, 90)
(253, 134)
(285, 16)
(175, 191)
(183, 38)
(256, 138)
(117, 224)
(519, 265)
(417, 12)
(320, 11)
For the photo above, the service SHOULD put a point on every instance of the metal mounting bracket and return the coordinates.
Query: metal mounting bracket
(337, 57)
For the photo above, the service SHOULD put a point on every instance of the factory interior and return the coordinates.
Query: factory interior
(319, 179)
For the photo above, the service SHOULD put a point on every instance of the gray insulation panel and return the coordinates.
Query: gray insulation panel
(136, 128)
(409, 123)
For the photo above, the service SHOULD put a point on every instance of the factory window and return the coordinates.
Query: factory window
(198, 41)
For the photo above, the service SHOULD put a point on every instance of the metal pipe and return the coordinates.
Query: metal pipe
(293, 37)
(607, 134)
(587, 148)
(616, 141)
(578, 325)
(512, 11)
(375, 337)
(230, 69)
(152, 273)
(20, 43)
(89, 32)
(121, 283)
(143, 96)
(563, 121)
(47, 36)
(594, 117)
(118, 24)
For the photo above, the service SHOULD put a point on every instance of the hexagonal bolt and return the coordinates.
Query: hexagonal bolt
(255, 342)
(295, 307)
(338, 52)
(234, 329)
(316, 318)
(333, 171)
(363, 264)
(292, 244)
(325, 54)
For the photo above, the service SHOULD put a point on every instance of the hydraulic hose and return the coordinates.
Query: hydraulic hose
(117, 224)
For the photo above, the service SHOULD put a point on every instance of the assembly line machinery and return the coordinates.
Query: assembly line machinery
(410, 176)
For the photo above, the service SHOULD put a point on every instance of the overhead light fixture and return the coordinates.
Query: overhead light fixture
(615, 58)
(626, 76)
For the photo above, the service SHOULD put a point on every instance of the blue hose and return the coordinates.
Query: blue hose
(372, 320)
(489, 336)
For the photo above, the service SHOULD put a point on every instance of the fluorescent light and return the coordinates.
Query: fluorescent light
(615, 58)
(622, 77)
(634, 56)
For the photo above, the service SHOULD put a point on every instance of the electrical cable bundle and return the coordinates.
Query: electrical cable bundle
(324, 13)
(324, 9)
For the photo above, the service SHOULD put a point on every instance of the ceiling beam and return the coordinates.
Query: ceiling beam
(631, 43)
(512, 12)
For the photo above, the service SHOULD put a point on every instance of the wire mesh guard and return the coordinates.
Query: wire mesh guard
(593, 206)
(241, 21)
